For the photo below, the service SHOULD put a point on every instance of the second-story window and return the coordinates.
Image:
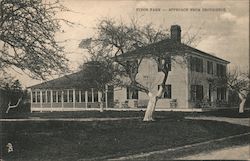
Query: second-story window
(164, 63)
(196, 64)
(221, 70)
(210, 67)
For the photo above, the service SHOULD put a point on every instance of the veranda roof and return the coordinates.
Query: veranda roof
(78, 80)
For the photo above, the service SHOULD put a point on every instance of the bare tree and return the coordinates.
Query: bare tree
(101, 74)
(236, 81)
(114, 40)
(27, 37)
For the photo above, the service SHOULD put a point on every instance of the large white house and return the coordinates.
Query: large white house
(188, 84)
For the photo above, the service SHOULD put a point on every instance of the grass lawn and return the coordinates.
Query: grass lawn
(62, 140)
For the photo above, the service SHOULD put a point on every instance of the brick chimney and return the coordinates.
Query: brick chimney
(176, 33)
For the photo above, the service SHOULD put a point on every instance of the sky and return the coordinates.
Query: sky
(222, 25)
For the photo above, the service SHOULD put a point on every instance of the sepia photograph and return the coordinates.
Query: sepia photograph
(124, 80)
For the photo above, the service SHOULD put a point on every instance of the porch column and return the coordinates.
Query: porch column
(31, 100)
(68, 95)
(227, 95)
(41, 99)
(46, 99)
(51, 99)
(92, 92)
(99, 100)
(35, 96)
(62, 98)
(80, 95)
(56, 96)
(74, 98)
(106, 95)
(86, 99)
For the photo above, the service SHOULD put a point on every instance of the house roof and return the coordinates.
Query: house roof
(80, 80)
(163, 46)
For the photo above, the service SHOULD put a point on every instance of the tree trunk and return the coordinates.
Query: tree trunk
(101, 103)
(14, 106)
(153, 100)
(101, 106)
(150, 108)
(242, 103)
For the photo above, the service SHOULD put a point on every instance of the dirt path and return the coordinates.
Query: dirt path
(233, 153)
(159, 153)
(239, 121)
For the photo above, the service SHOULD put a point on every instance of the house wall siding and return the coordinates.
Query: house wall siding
(201, 78)
(149, 76)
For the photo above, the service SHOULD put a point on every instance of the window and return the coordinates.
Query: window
(70, 95)
(221, 93)
(38, 96)
(196, 64)
(34, 96)
(95, 96)
(77, 95)
(83, 96)
(167, 65)
(103, 96)
(196, 92)
(210, 92)
(65, 96)
(209, 67)
(132, 93)
(220, 70)
(43, 97)
(54, 96)
(59, 96)
(90, 95)
(48, 96)
(167, 93)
